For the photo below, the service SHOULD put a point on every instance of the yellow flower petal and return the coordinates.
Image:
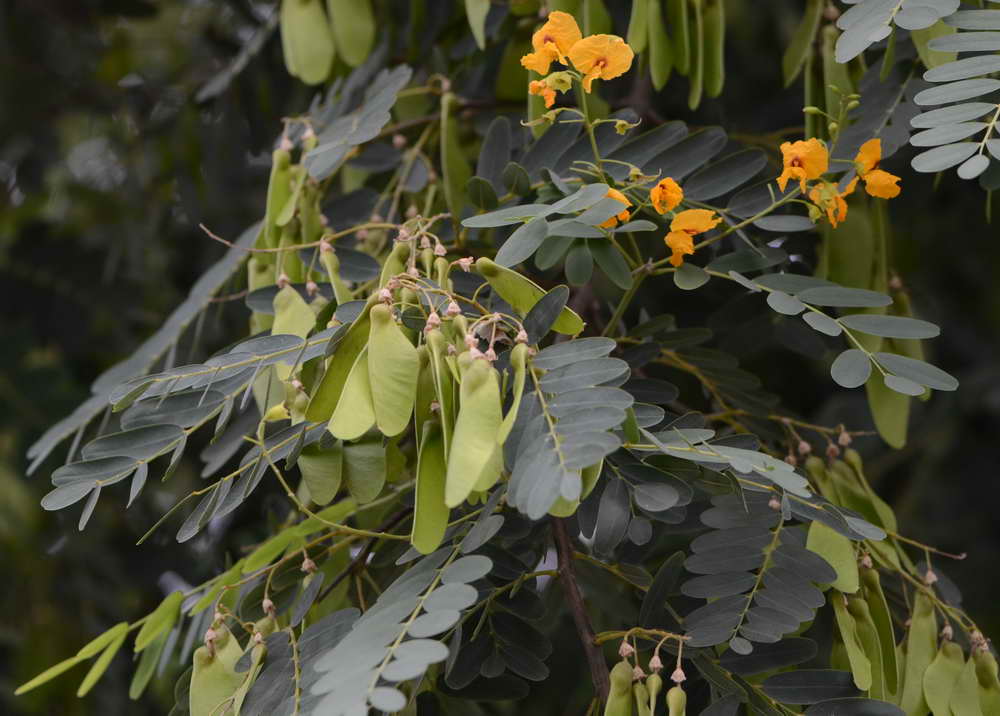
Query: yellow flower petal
(539, 87)
(552, 42)
(803, 160)
(826, 196)
(882, 184)
(666, 195)
(601, 57)
(681, 243)
(869, 155)
(695, 221)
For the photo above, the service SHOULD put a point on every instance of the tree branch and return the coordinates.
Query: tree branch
(595, 658)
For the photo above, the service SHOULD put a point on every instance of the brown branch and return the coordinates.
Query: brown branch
(595, 658)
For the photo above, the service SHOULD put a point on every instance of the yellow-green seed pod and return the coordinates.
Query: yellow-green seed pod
(677, 21)
(715, 47)
(640, 694)
(654, 685)
(869, 638)
(441, 270)
(430, 515)
(696, 76)
(878, 608)
(519, 364)
(523, 293)
(326, 397)
(355, 412)
(395, 263)
(306, 40)
(661, 50)
(620, 696)
(989, 684)
(638, 24)
(279, 189)
(677, 701)
(393, 369)
(213, 678)
(475, 458)
(331, 263)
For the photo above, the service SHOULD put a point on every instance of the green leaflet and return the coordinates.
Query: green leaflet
(588, 477)
(456, 171)
(696, 76)
(965, 695)
(715, 47)
(430, 515)
(49, 674)
(518, 361)
(839, 552)
(353, 25)
(147, 665)
(861, 665)
(870, 643)
(161, 620)
(476, 12)
(677, 21)
(523, 293)
(267, 551)
(322, 471)
(393, 369)
(802, 41)
(213, 679)
(306, 40)
(474, 456)
(661, 51)
(327, 395)
(878, 608)
(638, 24)
(921, 647)
(364, 468)
(102, 662)
(941, 677)
(355, 413)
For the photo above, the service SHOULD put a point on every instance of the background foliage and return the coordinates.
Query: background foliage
(110, 161)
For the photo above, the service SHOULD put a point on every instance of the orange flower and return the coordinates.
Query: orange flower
(878, 183)
(539, 87)
(620, 217)
(803, 160)
(826, 197)
(683, 229)
(601, 56)
(666, 195)
(552, 42)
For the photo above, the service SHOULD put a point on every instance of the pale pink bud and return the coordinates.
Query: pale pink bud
(866, 561)
(804, 448)
(411, 211)
(465, 263)
(268, 606)
(439, 249)
(774, 503)
(258, 638)
(210, 637)
(392, 284)
(832, 451)
(285, 144)
(385, 295)
(425, 243)
(844, 438)
(638, 674)
(678, 676)
(452, 310)
(403, 234)
(655, 664)
(947, 633)
(308, 566)
(283, 280)
(324, 246)
(930, 577)
(377, 218)
(475, 352)
(398, 141)
(413, 272)
(470, 340)
(491, 355)
(625, 650)
(522, 336)
(362, 234)
(312, 288)
(297, 384)
(433, 321)
(452, 350)
(435, 406)
(791, 459)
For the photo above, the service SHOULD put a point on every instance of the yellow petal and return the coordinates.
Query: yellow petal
(601, 56)
(559, 30)
(694, 221)
(666, 195)
(869, 155)
(681, 243)
(803, 160)
(882, 184)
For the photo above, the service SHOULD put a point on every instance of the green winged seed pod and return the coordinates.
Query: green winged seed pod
(474, 460)
(620, 698)
(430, 515)
(393, 369)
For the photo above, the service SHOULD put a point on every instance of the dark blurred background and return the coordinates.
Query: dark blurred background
(109, 160)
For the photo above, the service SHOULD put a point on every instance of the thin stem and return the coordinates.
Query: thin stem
(595, 659)
(637, 280)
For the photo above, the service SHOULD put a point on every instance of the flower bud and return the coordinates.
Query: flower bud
(844, 439)
(947, 633)
(465, 263)
(625, 650)
(655, 664)
(398, 141)
(411, 211)
(435, 406)
(471, 341)
(522, 336)
(297, 384)
(433, 321)
(413, 272)
(774, 503)
(308, 566)
(866, 561)
(258, 638)
(678, 676)
(361, 234)
(385, 295)
(475, 352)
(312, 288)
(791, 459)
(638, 674)
(283, 280)
(324, 246)
(403, 234)
(285, 144)
(491, 355)
(804, 448)
(439, 249)
(425, 242)
(377, 218)
(268, 606)
(832, 451)
(930, 577)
